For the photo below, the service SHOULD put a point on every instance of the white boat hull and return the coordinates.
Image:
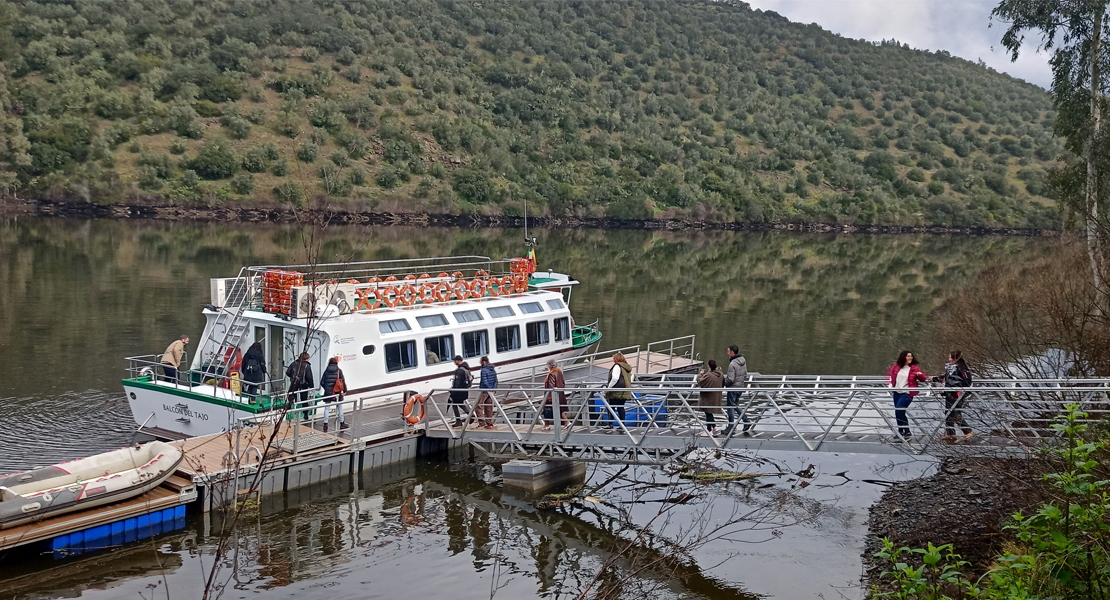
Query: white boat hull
(190, 415)
(185, 415)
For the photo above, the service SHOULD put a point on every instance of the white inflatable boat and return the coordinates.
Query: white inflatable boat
(85, 482)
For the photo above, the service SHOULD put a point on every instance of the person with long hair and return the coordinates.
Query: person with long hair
(710, 401)
(554, 401)
(620, 380)
(956, 375)
(904, 374)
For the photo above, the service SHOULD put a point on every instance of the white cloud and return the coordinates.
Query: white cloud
(962, 27)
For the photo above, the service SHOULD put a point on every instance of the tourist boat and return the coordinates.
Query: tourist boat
(394, 325)
(86, 482)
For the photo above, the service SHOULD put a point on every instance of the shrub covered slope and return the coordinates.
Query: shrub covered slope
(619, 109)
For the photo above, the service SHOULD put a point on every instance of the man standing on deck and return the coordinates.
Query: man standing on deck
(736, 377)
(171, 358)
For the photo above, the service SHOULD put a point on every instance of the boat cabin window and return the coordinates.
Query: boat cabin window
(500, 312)
(562, 329)
(394, 326)
(428, 321)
(508, 338)
(400, 356)
(531, 307)
(537, 333)
(438, 349)
(468, 316)
(368, 350)
(555, 304)
(475, 343)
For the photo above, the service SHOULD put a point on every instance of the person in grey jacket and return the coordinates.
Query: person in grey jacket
(736, 377)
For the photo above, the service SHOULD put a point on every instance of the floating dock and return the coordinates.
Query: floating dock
(222, 467)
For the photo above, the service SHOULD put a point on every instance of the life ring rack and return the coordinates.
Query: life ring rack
(409, 412)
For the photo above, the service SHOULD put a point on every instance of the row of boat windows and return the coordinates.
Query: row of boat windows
(400, 356)
(468, 316)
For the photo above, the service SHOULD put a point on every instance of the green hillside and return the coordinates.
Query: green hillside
(620, 109)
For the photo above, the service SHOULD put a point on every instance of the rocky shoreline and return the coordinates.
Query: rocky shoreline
(967, 502)
(169, 212)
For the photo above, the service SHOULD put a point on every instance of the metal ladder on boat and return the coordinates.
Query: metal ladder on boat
(237, 301)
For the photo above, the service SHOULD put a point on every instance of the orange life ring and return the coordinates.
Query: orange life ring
(442, 292)
(411, 277)
(478, 288)
(496, 286)
(408, 295)
(481, 274)
(520, 285)
(387, 296)
(355, 281)
(462, 291)
(364, 296)
(409, 413)
(391, 278)
(443, 276)
(428, 293)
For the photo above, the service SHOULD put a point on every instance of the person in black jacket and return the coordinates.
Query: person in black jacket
(254, 369)
(334, 385)
(300, 378)
(460, 386)
(956, 375)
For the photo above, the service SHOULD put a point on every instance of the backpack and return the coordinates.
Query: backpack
(469, 378)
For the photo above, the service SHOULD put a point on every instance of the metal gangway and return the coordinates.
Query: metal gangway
(665, 421)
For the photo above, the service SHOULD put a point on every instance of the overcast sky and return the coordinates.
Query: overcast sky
(961, 27)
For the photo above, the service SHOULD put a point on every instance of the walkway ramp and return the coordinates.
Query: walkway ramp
(667, 421)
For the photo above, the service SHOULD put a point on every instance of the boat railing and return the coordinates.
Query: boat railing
(149, 368)
(679, 347)
(306, 417)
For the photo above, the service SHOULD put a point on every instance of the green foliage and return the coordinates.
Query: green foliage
(178, 147)
(1062, 547)
(243, 184)
(290, 193)
(254, 161)
(216, 160)
(581, 108)
(307, 151)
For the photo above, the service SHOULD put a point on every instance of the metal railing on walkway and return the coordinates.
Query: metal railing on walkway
(667, 420)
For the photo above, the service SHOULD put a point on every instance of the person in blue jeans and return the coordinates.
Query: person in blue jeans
(904, 374)
(736, 377)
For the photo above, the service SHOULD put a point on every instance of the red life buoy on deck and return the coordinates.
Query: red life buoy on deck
(428, 293)
(408, 295)
(409, 413)
(387, 296)
(442, 292)
(478, 288)
(462, 291)
(496, 286)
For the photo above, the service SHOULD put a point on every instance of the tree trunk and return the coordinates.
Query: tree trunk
(1094, 246)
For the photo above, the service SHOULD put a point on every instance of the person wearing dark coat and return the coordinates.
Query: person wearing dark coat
(956, 375)
(300, 378)
(254, 369)
(460, 386)
(334, 385)
(555, 381)
(710, 401)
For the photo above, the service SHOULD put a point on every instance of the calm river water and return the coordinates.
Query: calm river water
(78, 296)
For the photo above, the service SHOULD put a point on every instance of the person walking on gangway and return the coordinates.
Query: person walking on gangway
(620, 377)
(736, 378)
(171, 358)
(956, 375)
(460, 389)
(904, 374)
(554, 401)
(710, 401)
(334, 385)
(487, 380)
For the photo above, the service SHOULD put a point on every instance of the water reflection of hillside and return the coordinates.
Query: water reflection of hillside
(795, 303)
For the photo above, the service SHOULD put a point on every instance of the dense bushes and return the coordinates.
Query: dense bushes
(624, 109)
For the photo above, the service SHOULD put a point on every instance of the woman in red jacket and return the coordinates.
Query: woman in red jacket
(904, 374)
